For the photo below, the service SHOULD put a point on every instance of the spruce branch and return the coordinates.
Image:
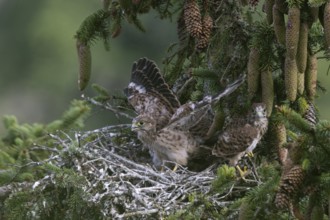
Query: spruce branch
(94, 27)
(294, 118)
(118, 112)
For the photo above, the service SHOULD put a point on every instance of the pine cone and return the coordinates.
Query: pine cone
(290, 78)
(267, 86)
(253, 77)
(280, 140)
(192, 18)
(311, 76)
(279, 25)
(300, 82)
(326, 22)
(292, 32)
(310, 114)
(85, 61)
(289, 186)
(204, 38)
(302, 47)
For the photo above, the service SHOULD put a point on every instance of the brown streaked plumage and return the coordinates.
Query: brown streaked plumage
(242, 135)
(170, 131)
(148, 93)
(167, 144)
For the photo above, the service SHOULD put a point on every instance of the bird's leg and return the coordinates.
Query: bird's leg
(242, 172)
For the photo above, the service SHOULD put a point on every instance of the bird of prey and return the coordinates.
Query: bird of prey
(242, 135)
(171, 131)
(148, 93)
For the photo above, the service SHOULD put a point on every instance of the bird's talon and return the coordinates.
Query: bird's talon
(243, 173)
(250, 154)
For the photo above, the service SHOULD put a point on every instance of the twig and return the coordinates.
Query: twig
(143, 212)
(108, 106)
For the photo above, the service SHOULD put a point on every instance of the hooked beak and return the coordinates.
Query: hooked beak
(261, 114)
(134, 126)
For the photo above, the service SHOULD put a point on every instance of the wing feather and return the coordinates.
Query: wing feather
(149, 94)
(232, 142)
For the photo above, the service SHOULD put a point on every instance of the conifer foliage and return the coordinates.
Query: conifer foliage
(48, 171)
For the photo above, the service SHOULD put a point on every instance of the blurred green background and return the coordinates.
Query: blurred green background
(39, 64)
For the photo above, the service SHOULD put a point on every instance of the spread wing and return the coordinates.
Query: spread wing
(190, 107)
(197, 118)
(197, 121)
(236, 140)
(148, 93)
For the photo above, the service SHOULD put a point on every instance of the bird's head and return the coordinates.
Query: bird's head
(259, 110)
(143, 123)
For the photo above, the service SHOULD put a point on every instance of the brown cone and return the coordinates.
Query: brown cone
(326, 22)
(302, 47)
(253, 77)
(204, 37)
(311, 76)
(292, 32)
(267, 86)
(192, 18)
(290, 77)
(280, 140)
(289, 186)
(300, 83)
(85, 61)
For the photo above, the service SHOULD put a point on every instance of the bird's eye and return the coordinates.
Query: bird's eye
(140, 123)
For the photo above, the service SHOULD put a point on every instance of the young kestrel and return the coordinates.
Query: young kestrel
(170, 131)
(242, 135)
(148, 93)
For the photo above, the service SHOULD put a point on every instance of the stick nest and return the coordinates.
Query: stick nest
(121, 179)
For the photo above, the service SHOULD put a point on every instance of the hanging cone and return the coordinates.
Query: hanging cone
(326, 22)
(253, 76)
(290, 77)
(300, 83)
(292, 32)
(280, 140)
(192, 18)
(310, 114)
(289, 186)
(267, 86)
(85, 61)
(311, 76)
(203, 40)
(302, 47)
